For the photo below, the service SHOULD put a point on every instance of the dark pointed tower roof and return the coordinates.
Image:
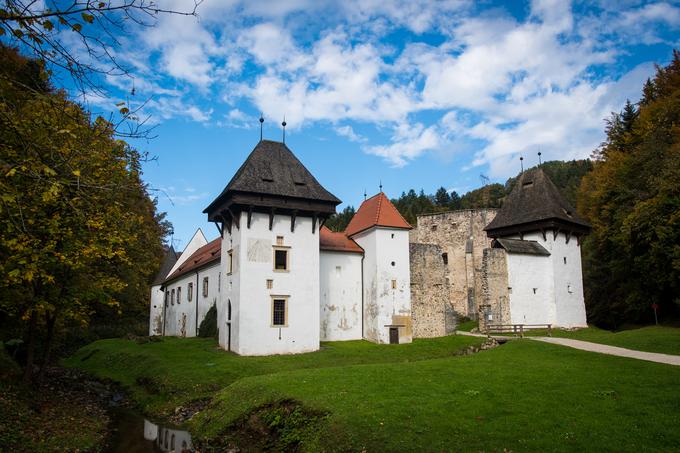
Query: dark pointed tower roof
(169, 260)
(272, 177)
(535, 204)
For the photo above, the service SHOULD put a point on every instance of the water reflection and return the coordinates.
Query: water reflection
(168, 440)
(135, 434)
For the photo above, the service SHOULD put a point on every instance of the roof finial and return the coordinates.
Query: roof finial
(381, 185)
(539, 159)
(521, 162)
(284, 128)
(364, 194)
(261, 121)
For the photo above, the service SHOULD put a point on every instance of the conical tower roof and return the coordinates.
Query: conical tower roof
(535, 204)
(272, 172)
(376, 211)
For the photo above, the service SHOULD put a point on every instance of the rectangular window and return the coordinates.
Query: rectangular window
(394, 284)
(190, 292)
(270, 284)
(230, 262)
(281, 259)
(167, 297)
(279, 311)
(279, 240)
(205, 287)
(219, 281)
(172, 297)
(179, 295)
(565, 260)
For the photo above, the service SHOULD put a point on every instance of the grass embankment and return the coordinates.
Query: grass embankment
(523, 396)
(165, 373)
(665, 340)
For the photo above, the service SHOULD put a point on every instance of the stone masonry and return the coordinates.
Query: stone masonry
(430, 308)
(495, 301)
(462, 239)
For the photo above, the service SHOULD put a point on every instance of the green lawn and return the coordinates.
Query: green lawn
(522, 396)
(665, 340)
(166, 373)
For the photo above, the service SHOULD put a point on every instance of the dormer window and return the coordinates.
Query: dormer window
(300, 183)
(267, 180)
(568, 213)
(527, 184)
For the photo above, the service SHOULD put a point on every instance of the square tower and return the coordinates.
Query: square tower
(269, 216)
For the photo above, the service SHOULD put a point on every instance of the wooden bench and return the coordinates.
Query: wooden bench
(516, 328)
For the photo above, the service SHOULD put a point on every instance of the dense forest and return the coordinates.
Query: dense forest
(566, 176)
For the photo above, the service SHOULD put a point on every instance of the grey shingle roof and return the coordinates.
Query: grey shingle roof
(522, 247)
(535, 199)
(272, 169)
(169, 260)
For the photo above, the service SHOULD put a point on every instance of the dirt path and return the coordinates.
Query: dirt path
(612, 350)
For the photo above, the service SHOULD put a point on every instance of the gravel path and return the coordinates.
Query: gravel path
(612, 350)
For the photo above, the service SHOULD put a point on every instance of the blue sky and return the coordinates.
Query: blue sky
(416, 94)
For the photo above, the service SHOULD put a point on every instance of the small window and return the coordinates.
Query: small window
(205, 287)
(535, 290)
(393, 263)
(279, 240)
(190, 292)
(528, 184)
(280, 259)
(279, 312)
(229, 310)
(433, 227)
(179, 295)
(394, 284)
(270, 284)
(392, 235)
(172, 297)
(565, 260)
(569, 289)
(338, 270)
(230, 262)
(445, 258)
(219, 281)
(509, 290)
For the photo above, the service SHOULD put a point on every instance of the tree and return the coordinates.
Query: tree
(339, 221)
(455, 202)
(442, 198)
(78, 231)
(632, 199)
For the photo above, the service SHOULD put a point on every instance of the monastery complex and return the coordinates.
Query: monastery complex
(282, 282)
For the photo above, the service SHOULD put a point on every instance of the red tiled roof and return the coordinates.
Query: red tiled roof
(376, 211)
(337, 242)
(207, 254)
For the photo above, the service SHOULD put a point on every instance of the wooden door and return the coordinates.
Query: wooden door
(394, 335)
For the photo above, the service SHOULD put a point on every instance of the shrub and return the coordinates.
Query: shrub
(208, 327)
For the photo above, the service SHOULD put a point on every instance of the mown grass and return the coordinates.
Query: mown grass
(665, 340)
(168, 372)
(523, 396)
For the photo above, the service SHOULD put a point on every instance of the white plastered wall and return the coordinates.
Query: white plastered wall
(563, 305)
(156, 311)
(253, 251)
(180, 318)
(340, 287)
(386, 260)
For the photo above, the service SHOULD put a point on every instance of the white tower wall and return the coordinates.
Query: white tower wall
(340, 287)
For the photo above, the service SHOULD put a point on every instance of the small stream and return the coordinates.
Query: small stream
(133, 433)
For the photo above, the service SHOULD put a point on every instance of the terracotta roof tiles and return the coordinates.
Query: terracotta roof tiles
(207, 254)
(337, 242)
(376, 211)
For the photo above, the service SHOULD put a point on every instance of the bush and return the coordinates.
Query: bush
(208, 327)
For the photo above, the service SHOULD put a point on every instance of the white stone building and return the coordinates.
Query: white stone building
(536, 240)
(281, 281)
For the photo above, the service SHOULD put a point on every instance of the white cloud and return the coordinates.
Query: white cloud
(347, 132)
(408, 142)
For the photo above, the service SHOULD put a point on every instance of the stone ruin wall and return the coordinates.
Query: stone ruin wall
(494, 307)
(461, 235)
(431, 311)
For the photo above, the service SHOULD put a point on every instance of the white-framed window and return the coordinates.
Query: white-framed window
(270, 283)
(190, 291)
(179, 295)
(279, 311)
(279, 240)
(172, 297)
(205, 286)
(281, 259)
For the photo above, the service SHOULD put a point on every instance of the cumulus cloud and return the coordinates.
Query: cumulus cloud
(489, 82)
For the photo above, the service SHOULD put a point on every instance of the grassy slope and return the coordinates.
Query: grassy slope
(163, 374)
(665, 340)
(523, 396)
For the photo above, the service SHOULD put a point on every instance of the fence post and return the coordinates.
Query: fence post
(521, 330)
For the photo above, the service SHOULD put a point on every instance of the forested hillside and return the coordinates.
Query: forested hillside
(566, 176)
